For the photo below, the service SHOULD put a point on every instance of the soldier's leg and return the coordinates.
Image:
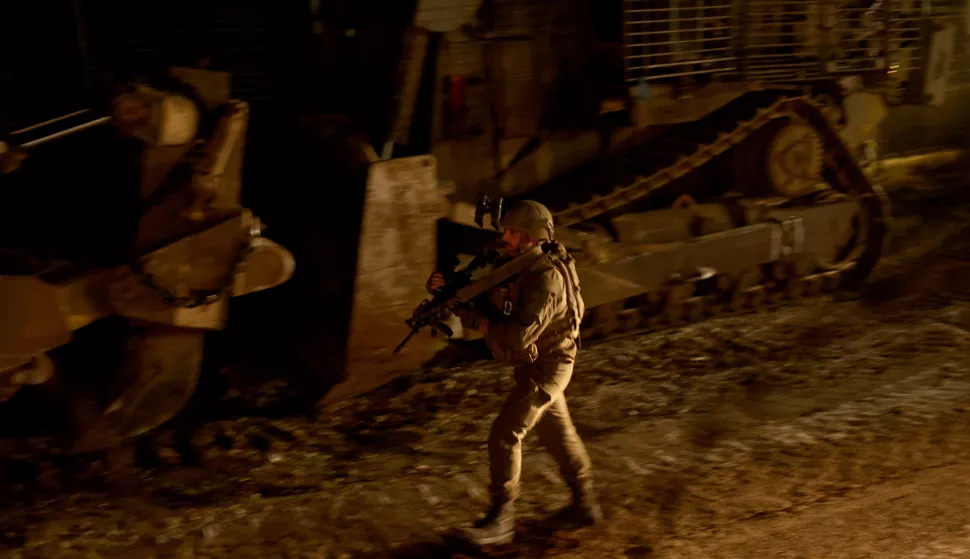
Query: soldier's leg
(520, 413)
(558, 435)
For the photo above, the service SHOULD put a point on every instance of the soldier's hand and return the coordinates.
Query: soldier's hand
(483, 326)
(436, 281)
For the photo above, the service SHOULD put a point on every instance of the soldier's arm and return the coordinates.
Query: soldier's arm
(524, 327)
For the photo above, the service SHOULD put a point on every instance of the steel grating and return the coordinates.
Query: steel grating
(676, 38)
(775, 41)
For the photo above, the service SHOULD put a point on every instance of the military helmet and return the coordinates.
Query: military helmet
(531, 217)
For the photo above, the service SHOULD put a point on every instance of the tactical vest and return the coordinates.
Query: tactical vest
(566, 266)
(503, 299)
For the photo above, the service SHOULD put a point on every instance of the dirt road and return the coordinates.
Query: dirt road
(835, 428)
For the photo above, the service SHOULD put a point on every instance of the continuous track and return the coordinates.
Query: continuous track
(605, 187)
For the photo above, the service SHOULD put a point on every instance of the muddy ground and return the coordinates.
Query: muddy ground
(836, 427)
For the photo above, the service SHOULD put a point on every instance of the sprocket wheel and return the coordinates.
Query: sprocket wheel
(794, 159)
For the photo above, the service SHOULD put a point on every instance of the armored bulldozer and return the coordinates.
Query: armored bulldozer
(701, 157)
(124, 238)
(723, 166)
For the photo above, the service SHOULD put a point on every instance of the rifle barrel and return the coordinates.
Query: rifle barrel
(405, 340)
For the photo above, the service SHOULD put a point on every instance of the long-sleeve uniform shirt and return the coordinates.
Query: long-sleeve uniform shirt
(539, 335)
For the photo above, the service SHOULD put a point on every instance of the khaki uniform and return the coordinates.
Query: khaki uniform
(538, 338)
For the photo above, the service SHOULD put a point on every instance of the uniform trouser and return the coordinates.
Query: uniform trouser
(540, 404)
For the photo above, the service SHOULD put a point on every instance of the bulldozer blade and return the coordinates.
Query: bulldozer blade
(267, 265)
(396, 254)
(160, 373)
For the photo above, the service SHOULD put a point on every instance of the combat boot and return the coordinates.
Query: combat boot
(498, 526)
(584, 509)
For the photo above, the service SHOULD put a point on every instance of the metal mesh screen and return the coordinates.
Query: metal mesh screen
(673, 38)
(777, 40)
(916, 129)
(954, 12)
(781, 41)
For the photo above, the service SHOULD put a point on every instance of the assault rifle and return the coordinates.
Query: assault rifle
(428, 312)
(460, 290)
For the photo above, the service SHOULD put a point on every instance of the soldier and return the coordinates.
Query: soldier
(543, 310)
